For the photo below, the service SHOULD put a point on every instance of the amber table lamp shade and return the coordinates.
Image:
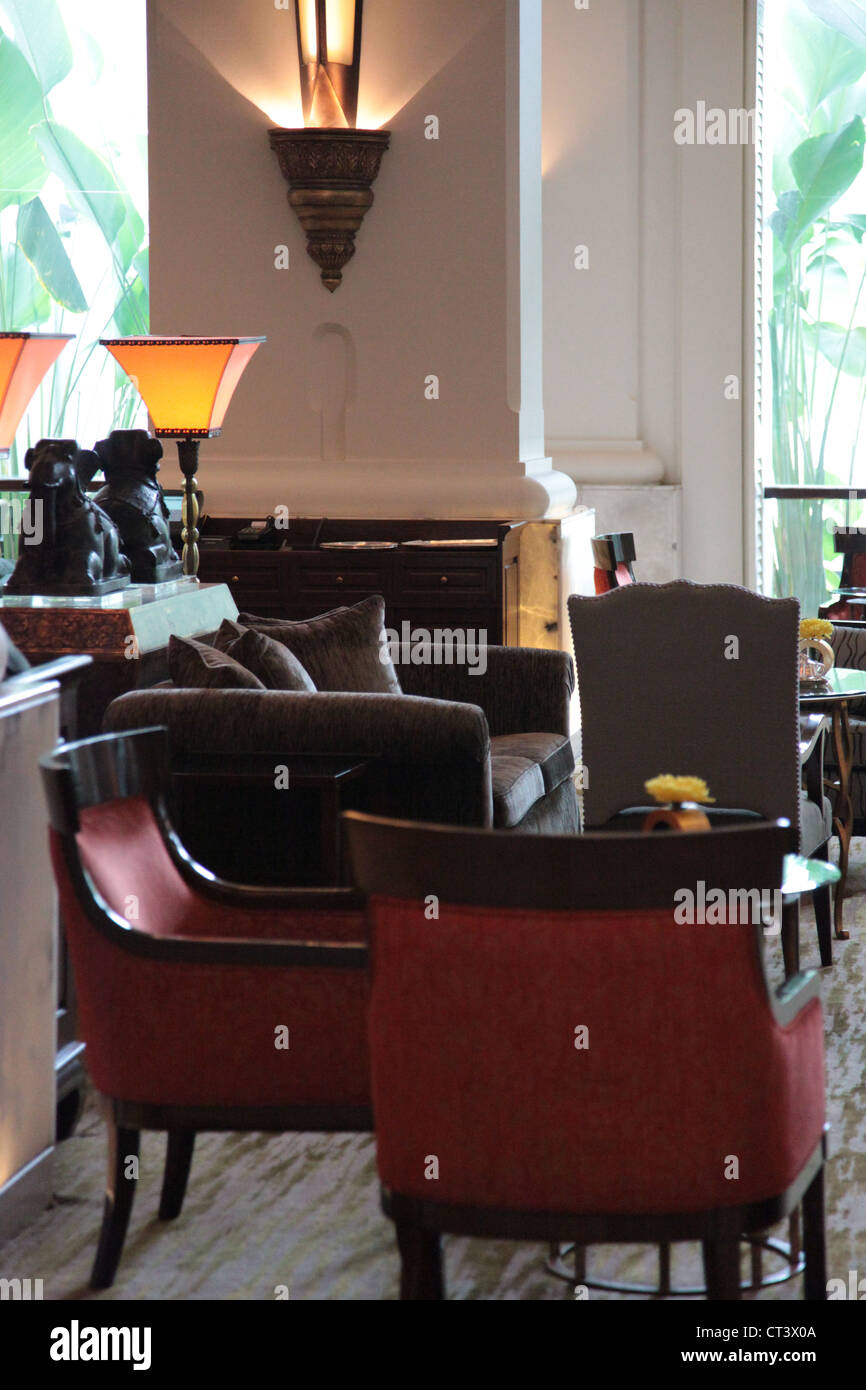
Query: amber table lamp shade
(24, 360)
(186, 384)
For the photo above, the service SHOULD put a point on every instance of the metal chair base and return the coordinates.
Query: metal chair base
(789, 1253)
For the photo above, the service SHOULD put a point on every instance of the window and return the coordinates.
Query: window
(811, 391)
(73, 202)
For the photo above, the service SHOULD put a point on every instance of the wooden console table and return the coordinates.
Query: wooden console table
(459, 585)
(512, 582)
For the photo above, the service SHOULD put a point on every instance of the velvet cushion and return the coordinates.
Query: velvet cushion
(685, 1063)
(517, 785)
(553, 753)
(194, 665)
(270, 661)
(341, 650)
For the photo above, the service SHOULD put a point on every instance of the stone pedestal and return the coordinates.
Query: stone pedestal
(128, 644)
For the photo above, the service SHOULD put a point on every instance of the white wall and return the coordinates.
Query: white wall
(446, 279)
(638, 346)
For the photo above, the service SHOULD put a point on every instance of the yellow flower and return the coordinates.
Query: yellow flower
(815, 628)
(666, 788)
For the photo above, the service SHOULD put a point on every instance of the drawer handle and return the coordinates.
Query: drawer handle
(236, 579)
(340, 579)
(444, 579)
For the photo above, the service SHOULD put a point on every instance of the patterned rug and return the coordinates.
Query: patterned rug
(302, 1211)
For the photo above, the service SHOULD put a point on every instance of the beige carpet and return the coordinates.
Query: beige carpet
(302, 1210)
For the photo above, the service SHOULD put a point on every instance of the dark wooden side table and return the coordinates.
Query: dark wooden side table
(840, 686)
(327, 776)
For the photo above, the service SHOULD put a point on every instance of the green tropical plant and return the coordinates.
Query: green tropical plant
(819, 261)
(60, 201)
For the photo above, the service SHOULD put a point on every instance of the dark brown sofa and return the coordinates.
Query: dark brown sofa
(455, 748)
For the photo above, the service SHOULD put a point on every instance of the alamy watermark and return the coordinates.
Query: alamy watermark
(714, 126)
(442, 647)
(852, 498)
(855, 1289)
(714, 907)
(21, 1290)
(22, 517)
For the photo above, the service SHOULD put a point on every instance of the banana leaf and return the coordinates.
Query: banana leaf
(44, 249)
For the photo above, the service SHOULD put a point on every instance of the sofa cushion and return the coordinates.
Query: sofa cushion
(269, 660)
(344, 650)
(194, 665)
(517, 785)
(553, 753)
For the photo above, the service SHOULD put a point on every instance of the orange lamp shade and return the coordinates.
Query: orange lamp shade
(24, 360)
(186, 383)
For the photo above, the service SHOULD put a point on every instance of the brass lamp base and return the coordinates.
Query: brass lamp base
(187, 453)
(329, 173)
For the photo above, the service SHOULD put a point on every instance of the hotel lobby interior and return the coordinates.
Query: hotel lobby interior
(433, 652)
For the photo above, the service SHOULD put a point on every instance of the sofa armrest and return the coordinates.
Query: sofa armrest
(430, 759)
(521, 690)
(397, 727)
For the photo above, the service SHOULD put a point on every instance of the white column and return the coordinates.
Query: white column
(427, 360)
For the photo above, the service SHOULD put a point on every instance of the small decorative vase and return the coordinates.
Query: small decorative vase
(684, 815)
(809, 668)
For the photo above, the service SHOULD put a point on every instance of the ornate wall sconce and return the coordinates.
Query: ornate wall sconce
(329, 165)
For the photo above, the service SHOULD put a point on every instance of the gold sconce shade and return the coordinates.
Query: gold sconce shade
(24, 360)
(329, 50)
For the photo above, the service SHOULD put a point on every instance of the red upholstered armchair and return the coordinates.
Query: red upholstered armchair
(203, 1005)
(555, 1057)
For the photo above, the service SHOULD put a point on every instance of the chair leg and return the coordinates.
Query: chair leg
(178, 1158)
(814, 1240)
(823, 904)
(722, 1266)
(421, 1263)
(791, 936)
(119, 1194)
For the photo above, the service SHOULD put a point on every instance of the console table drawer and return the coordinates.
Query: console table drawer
(251, 572)
(330, 578)
(448, 578)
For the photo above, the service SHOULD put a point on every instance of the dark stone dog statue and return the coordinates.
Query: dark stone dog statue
(133, 499)
(77, 553)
